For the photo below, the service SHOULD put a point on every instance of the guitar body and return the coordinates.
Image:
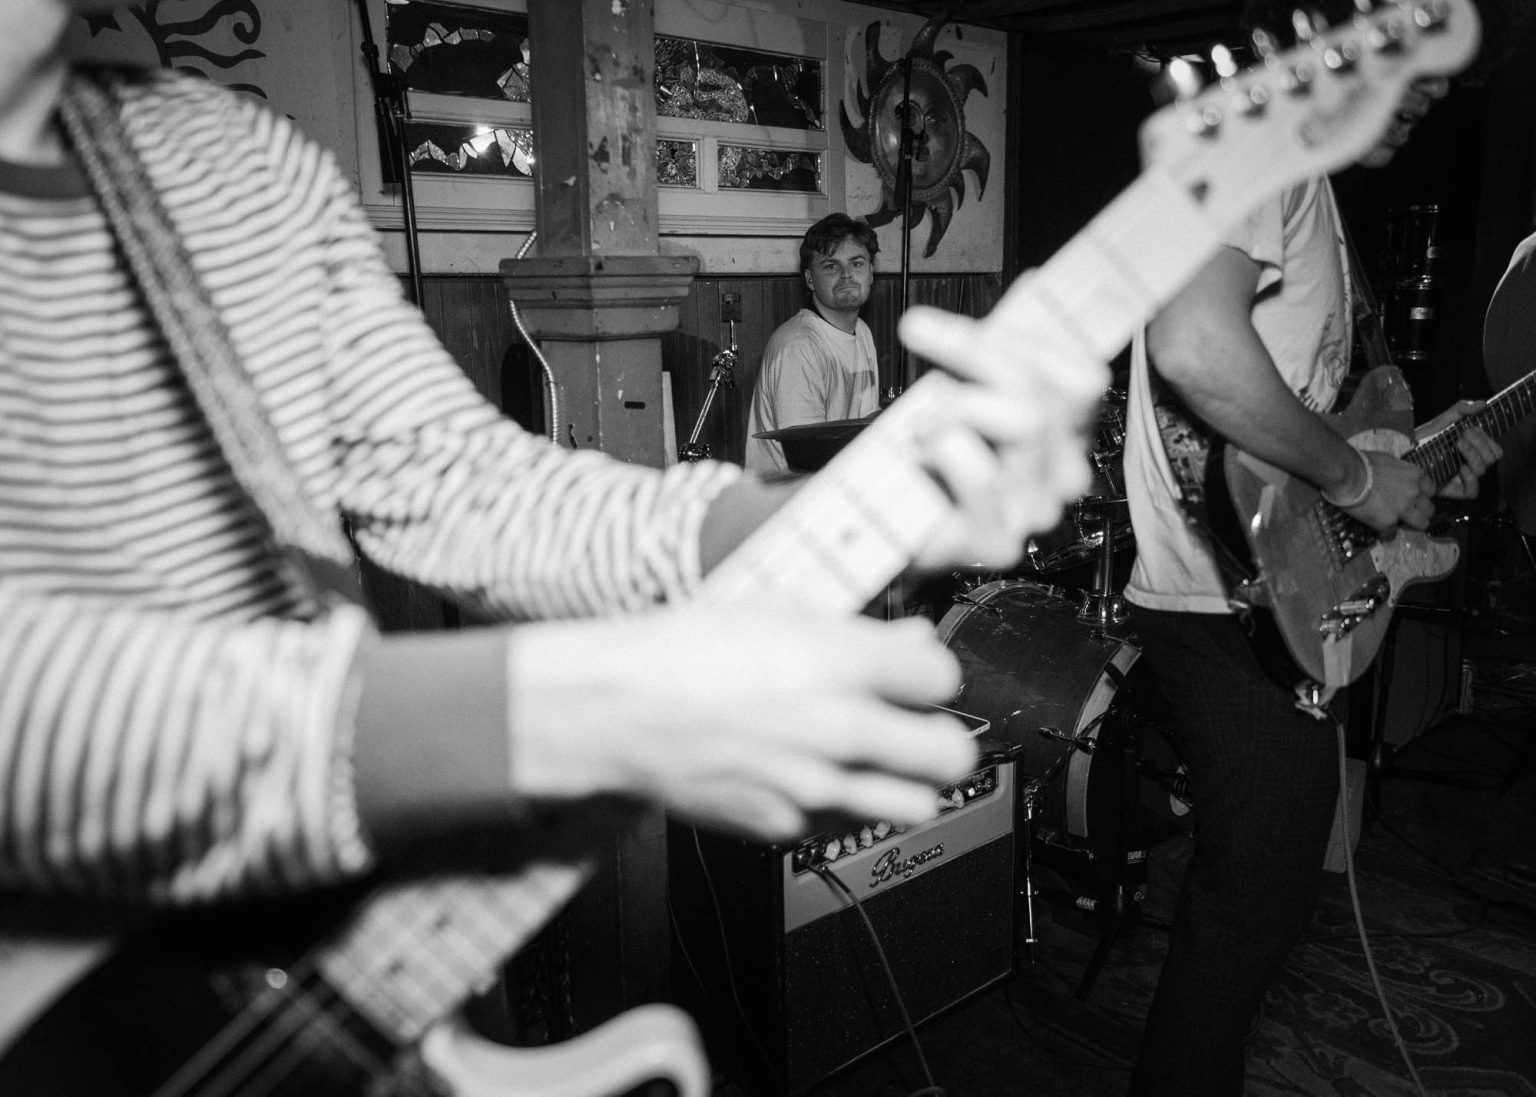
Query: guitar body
(1313, 565)
(207, 1004)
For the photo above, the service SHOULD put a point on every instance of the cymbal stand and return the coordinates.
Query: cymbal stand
(722, 372)
(1029, 799)
(1030, 792)
(1103, 606)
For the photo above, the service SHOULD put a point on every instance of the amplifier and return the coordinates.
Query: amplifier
(779, 967)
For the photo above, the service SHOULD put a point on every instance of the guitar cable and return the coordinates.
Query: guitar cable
(1320, 713)
(931, 1089)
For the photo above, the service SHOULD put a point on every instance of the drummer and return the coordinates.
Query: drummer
(819, 365)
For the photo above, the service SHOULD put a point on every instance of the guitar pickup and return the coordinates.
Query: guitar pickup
(1343, 618)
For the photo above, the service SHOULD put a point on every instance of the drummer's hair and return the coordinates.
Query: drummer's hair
(828, 234)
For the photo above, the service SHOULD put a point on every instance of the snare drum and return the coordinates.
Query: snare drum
(1045, 680)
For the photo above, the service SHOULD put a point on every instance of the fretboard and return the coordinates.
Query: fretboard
(1438, 456)
(416, 951)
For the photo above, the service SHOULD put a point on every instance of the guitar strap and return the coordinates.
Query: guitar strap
(316, 558)
(1370, 328)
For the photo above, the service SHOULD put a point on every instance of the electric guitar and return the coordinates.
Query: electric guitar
(366, 1009)
(1329, 581)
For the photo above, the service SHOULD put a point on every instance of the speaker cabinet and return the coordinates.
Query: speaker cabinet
(778, 965)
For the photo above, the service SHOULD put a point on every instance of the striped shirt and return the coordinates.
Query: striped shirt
(174, 720)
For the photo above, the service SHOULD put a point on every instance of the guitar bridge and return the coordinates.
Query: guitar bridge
(1344, 617)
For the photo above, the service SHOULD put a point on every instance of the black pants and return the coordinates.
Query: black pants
(1264, 780)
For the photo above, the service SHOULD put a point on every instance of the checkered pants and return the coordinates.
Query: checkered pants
(1264, 779)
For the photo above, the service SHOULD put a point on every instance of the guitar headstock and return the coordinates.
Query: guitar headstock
(1309, 110)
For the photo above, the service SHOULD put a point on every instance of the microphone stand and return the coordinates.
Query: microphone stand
(389, 101)
(904, 193)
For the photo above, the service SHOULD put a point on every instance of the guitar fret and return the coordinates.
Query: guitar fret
(418, 950)
(838, 540)
(1438, 456)
(1097, 292)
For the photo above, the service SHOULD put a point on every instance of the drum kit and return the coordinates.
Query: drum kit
(1055, 673)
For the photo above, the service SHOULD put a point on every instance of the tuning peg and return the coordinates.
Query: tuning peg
(1223, 61)
(1264, 45)
(1431, 15)
(1384, 35)
(1306, 27)
(1186, 82)
(1184, 78)
(1255, 100)
(1342, 57)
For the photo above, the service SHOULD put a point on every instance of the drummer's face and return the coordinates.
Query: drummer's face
(842, 280)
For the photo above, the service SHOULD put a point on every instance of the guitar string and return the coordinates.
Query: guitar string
(491, 911)
(224, 1064)
(224, 1067)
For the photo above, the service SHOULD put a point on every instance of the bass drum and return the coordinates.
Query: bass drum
(1046, 680)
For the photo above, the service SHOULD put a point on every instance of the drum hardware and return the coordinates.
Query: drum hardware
(1109, 440)
(1030, 792)
(722, 372)
(1074, 741)
(1099, 515)
(963, 599)
(1103, 605)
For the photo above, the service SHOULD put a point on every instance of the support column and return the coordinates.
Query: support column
(597, 293)
(598, 297)
(599, 320)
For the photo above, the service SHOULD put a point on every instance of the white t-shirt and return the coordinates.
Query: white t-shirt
(812, 372)
(1302, 314)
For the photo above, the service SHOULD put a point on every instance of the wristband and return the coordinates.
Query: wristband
(1365, 489)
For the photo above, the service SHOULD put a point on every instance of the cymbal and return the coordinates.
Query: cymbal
(809, 446)
(833, 430)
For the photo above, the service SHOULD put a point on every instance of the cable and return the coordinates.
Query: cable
(931, 1089)
(1354, 897)
(550, 384)
(725, 953)
(1018, 1022)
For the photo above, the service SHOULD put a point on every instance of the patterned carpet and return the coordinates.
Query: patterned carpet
(1447, 882)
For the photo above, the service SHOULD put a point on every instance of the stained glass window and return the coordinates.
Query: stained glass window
(469, 149)
(677, 163)
(743, 167)
(733, 121)
(451, 50)
(732, 84)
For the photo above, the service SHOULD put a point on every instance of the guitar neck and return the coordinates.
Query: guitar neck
(859, 521)
(418, 950)
(1438, 456)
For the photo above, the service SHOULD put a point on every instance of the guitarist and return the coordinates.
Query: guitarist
(195, 707)
(1251, 351)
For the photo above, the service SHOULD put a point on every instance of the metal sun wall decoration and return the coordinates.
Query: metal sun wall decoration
(943, 148)
(178, 30)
